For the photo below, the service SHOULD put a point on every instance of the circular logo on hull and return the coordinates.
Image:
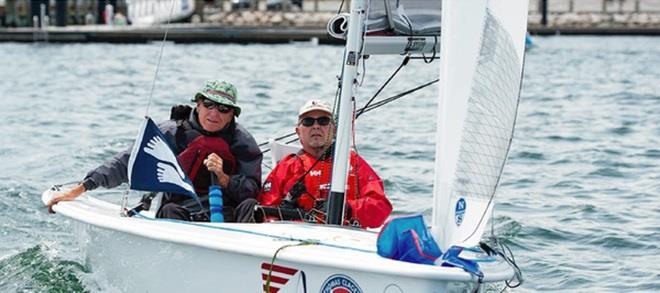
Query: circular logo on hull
(340, 284)
(460, 211)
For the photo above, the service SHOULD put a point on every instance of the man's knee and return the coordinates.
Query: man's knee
(245, 211)
(173, 211)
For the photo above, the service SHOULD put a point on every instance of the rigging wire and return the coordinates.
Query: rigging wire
(366, 108)
(403, 63)
(398, 96)
(362, 110)
(512, 261)
(123, 210)
(341, 6)
(160, 57)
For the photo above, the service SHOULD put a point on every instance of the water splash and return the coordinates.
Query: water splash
(34, 270)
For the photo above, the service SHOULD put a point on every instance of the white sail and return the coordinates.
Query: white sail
(480, 79)
(482, 50)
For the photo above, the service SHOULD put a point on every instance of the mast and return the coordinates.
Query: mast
(340, 164)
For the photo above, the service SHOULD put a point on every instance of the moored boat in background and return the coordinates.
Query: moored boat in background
(151, 12)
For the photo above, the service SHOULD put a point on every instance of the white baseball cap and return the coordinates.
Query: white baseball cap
(314, 105)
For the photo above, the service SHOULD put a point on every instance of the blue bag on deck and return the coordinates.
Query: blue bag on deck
(407, 239)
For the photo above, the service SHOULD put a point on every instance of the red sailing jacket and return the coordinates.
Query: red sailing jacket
(364, 194)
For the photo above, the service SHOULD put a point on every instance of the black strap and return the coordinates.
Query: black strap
(304, 279)
(286, 214)
(145, 204)
(487, 249)
(180, 136)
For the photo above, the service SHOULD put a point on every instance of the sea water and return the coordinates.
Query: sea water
(579, 201)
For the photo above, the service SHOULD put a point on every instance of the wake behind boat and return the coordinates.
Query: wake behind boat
(480, 73)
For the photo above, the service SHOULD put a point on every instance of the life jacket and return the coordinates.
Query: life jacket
(317, 181)
(192, 157)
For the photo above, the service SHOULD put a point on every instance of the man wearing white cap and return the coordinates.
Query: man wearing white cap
(302, 180)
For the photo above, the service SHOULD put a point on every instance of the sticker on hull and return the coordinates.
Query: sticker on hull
(340, 284)
(275, 277)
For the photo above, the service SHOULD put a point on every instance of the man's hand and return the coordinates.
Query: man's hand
(65, 196)
(322, 205)
(214, 164)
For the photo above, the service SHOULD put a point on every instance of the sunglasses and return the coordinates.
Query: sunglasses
(309, 121)
(208, 104)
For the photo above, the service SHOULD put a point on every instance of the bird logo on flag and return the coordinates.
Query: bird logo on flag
(153, 165)
(168, 168)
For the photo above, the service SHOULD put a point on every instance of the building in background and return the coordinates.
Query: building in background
(19, 13)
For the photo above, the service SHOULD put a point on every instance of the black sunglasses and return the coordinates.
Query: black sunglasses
(309, 121)
(208, 104)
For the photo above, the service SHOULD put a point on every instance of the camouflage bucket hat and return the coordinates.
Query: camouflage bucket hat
(220, 92)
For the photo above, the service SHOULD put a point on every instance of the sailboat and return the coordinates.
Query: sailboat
(152, 12)
(481, 50)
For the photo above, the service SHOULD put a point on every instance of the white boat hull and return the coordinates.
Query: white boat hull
(140, 254)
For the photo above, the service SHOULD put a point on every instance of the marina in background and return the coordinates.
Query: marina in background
(272, 21)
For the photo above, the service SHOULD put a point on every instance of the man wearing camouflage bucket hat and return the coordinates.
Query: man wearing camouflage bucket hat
(221, 92)
(206, 139)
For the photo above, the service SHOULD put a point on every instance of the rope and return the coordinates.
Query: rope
(435, 44)
(272, 261)
(507, 255)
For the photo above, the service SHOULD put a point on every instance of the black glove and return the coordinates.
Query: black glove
(287, 203)
(290, 201)
(322, 205)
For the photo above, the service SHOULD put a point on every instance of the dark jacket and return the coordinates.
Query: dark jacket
(242, 185)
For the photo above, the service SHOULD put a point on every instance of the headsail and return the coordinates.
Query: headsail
(482, 49)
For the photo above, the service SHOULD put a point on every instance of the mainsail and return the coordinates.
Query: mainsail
(480, 80)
